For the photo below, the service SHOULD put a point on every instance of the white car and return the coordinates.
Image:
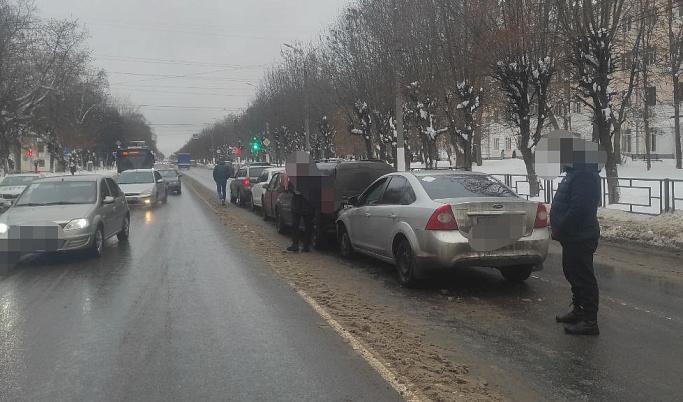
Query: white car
(258, 190)
(13, 185)
(143, 187)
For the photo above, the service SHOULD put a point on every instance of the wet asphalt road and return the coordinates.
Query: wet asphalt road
(180, 313)
(507, 334)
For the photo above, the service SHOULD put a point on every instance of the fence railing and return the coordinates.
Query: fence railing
(636, 195)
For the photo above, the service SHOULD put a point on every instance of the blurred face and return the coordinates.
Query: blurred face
(562, 150)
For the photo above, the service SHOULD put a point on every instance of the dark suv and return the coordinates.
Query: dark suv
(341, 180)
(245, 177)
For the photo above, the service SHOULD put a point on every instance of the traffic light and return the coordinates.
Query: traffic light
(29, 153)
(255, 145)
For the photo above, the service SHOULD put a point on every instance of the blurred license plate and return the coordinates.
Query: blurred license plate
(33, 238)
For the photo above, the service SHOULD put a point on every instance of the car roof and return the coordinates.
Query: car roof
(82, 177)
(139, 170)
(445, 172)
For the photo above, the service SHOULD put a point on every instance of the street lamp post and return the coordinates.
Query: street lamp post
(307, 123)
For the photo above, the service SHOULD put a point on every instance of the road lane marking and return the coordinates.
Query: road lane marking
(620, 302)
(387, 374)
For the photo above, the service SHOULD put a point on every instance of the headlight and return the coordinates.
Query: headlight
(146, 194)
(3, 228)
(76, 224)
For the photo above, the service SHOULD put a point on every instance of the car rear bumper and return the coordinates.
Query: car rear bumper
(452, 249)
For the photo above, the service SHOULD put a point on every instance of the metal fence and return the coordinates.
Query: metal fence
(637, 195)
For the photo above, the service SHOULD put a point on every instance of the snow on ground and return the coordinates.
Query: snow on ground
(665, 230)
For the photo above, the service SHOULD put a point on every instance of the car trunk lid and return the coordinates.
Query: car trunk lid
(492, 223)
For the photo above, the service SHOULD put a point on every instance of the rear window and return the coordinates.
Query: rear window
(255, 172)
(461, 186)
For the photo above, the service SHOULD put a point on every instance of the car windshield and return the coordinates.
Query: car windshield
(17, 180)
(463, 186)
(59, 193)
(136, 177)
(168, 174)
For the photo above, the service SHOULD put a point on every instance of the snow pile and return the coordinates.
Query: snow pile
(665, 230)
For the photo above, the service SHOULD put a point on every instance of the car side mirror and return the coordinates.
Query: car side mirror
(160, 180)
(108, 200)
(353, 201)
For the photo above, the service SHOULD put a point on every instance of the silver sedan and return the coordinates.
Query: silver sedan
(443, 219)
(63, 214)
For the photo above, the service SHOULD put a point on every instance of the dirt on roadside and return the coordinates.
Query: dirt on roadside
(400, 346)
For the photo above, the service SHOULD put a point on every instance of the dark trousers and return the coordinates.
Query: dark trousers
(221, 189)
(577, 264)
(298, 235)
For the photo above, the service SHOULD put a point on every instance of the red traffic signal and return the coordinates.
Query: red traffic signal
(238, 151)
(29, 153)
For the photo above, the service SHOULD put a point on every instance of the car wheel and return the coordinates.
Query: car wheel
(125, 230)
(319, 238)
(280, 223)
(97, 244)
(345, 246)
(406, 264)
(263, 210)
(517, 273)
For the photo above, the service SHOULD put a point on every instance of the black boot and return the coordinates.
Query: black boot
(293, 248)
(571, 317)
(583, 327)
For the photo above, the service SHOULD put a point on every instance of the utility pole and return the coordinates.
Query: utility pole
(307, 123)
(400, 140)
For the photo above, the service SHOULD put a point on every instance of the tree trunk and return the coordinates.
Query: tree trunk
(528, 158)
(617, 140)
(646, 123)
(677, 123)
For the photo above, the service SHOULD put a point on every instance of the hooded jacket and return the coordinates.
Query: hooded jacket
(221, 172)
(574, 211)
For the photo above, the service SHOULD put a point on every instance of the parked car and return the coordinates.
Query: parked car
(12, 185)
(436, 219)
(66, 213)
(270, 204)
(245, 177)
(258, 190)
(143, 187)
(172, 178)
(340, 180)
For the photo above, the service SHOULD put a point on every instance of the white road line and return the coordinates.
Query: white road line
(387, 374)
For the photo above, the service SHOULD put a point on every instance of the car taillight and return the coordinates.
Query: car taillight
(442, 219)
(541, 217)
(245, 182)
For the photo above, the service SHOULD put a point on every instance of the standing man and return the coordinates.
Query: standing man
(221, 173)
(301, 210)
(574, 222)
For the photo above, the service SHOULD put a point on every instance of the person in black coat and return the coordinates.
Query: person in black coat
(302, 209)
(221, 173)
(574, 223)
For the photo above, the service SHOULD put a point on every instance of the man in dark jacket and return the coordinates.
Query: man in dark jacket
(302, 209)
(574, 222)
(221, 173)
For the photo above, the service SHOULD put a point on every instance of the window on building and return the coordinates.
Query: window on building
(650, 56)
(508, 143)
(651, 96)
(626, 141)
(680, 92)
(41, 147)
(577, 107)
(496, 143)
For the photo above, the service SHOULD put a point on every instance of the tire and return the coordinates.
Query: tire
(319, 237)
(124, 234)
(406, 266)
(517, 273)
(97, 244)
(280, 223)
(345, 246)
(264, 214)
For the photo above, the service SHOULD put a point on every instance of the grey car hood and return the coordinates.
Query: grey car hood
(19, 216)
(137, 188)
(13, 190)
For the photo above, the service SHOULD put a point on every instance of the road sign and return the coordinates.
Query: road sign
(266, 142)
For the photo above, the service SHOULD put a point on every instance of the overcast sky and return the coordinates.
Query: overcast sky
(213, 49)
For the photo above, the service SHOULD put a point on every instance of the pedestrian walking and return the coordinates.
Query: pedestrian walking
(302, 210)
(72, 167)
(574, 222)
(221, 173)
